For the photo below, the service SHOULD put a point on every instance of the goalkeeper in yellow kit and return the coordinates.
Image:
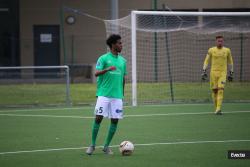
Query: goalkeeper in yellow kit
(219, 57)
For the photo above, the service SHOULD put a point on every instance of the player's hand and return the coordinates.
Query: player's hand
(230, 76)
(204, 75)
(112, 68)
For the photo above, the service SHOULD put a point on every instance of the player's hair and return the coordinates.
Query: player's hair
(219, 36)
(112, 39)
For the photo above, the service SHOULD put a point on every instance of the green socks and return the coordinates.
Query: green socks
(95, 130)
(111, 133)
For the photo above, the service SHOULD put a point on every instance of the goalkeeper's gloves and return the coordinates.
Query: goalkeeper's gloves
(204, 75)
(230, 76)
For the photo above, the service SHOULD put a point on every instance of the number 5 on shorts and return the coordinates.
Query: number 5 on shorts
(99, 111)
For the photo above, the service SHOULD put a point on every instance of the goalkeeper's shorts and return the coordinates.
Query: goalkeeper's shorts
(217, 79)
(109, 107)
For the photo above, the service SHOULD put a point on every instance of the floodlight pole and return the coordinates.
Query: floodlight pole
(62, 32)
(155, 46)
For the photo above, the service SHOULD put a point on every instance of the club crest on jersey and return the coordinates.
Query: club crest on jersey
(98, 64)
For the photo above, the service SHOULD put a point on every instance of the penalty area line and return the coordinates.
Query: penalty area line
(143, 144)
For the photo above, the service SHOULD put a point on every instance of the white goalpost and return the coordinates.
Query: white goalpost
(165, 51)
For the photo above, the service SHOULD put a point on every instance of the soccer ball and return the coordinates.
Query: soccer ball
(126, 148)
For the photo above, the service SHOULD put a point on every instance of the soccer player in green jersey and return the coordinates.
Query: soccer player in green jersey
(110, 73)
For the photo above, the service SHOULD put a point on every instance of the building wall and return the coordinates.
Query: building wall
(85, 40)
(88, 33)
(35, 13)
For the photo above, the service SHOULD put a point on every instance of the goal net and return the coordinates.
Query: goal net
(34, 86)
(165, 53)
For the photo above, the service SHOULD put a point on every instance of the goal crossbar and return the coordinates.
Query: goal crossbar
(33, 67)
(173, 13)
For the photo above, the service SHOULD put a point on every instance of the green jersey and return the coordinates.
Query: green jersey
(110, 84)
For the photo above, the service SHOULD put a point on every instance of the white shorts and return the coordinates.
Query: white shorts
(109, 107)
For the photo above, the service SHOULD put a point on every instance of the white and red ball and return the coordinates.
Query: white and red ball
(126, 148)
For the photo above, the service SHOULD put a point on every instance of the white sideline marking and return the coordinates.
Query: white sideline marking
(146, 144)
(140, 115)
(44, 109)
(86, 107)
(91, 107)
(194, 113)
(47, 116)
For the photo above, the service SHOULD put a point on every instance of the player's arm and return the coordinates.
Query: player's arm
(100, 67)
(123, 85)
(207, 60)
(125, 73)
(205, 65)
(230, 64)
(101, 72)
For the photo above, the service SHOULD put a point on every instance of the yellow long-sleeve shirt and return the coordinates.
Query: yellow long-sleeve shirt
(219, 59)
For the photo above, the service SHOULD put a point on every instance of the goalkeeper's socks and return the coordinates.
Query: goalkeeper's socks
(219, 99)
(214, 97)
(112, 130)
(95, 130)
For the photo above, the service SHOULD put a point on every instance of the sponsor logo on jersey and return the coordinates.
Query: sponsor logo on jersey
(117, 72)
(109, 61)
(118, 111)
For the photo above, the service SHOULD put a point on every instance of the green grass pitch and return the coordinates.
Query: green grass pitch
(187, 135)
(23, 95)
